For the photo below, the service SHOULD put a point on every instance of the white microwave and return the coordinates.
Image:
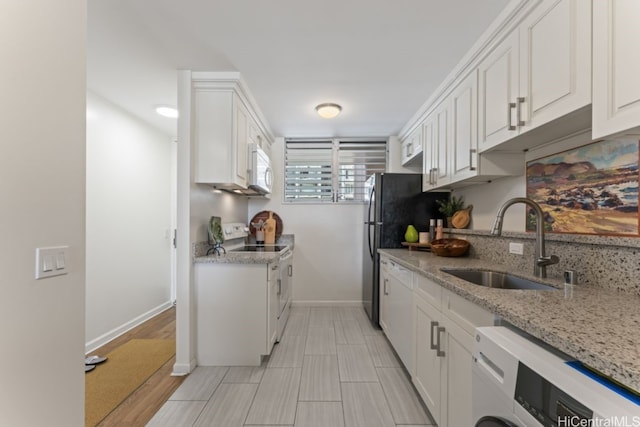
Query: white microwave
(261, 173)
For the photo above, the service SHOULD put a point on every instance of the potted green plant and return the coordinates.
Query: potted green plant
(450, 206)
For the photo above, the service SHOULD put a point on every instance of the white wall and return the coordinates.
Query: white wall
(205, 203)
(487, 199)
(128, 221)
(42, 183)
(328, 242)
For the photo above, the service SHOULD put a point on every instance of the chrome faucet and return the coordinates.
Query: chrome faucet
(540, 261)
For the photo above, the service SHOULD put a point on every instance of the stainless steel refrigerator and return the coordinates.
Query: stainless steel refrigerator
(395, 200)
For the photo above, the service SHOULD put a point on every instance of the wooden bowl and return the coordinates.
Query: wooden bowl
(449, 247)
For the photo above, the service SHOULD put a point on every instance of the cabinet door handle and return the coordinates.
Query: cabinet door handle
(279, 287)
(433, 345)
(386, 292)
(520, 100)
(512, 105)
(409, 149)
(290, 271)
(471, 155)
(439, 351)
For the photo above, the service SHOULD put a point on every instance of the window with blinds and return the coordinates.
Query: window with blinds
(332, 171)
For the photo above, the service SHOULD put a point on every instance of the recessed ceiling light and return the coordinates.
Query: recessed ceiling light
(328, 110)
(166, 111)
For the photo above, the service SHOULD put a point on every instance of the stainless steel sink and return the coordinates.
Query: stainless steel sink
(496, 279)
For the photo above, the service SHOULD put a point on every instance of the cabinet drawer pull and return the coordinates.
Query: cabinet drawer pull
(471, 155)
(439, 352)
(433, 345)
(512, 105)
(520, 100)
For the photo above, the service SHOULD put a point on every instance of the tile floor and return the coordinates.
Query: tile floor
(332, 368)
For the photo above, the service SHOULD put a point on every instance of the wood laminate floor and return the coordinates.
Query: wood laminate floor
(143, 403)
(332, 368)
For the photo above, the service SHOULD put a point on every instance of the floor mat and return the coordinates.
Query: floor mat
(126, 369)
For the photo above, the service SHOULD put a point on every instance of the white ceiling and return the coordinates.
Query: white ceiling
(379, 59)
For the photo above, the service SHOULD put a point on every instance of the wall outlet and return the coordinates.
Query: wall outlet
(516, 248)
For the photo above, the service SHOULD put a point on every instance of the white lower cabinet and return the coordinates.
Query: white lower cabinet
(384, 300)
(236, 313)
(443, 325)
(428, 366)
(273, 275)
(396, 299)
(456, 376)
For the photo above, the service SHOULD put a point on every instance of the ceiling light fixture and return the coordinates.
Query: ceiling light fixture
(328, 110)
(166, 111)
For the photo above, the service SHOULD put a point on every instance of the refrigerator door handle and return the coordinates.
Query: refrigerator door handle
(370, 222)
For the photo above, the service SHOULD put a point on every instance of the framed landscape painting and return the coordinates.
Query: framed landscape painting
(587, 190)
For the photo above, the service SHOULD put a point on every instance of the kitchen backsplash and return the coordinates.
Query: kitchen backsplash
(605, 262)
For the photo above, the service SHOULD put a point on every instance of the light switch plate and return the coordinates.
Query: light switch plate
(516, 248)
(51, 261)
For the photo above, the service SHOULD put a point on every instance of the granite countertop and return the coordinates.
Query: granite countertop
(597, 326)
(200, 249)
(239, 258)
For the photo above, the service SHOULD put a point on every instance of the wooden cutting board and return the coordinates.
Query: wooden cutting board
(264, 215)
(462, 217)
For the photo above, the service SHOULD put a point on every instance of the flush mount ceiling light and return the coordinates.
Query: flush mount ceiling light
(166, 111)
(328, 110)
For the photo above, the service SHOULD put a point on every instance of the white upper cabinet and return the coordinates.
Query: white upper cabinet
(221, 135)
(498, 92)
(442, 144)
(451, 143)
(555, 61)
(464, 130)
(616, 68)
(428, 153)
(436, 137)
(223, 124)
(539, 73)
(412, 148)
(242, 129)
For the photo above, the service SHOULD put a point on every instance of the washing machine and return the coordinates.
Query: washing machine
(518, 382)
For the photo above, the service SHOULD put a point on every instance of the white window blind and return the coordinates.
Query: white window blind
(309, 171)
(357, 161)
(331, 170)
